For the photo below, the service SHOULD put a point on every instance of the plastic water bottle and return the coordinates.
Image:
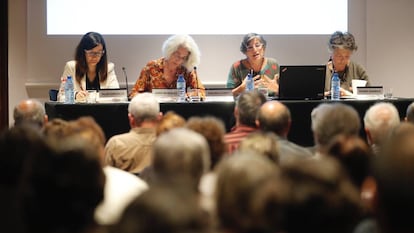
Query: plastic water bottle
(180, 88)
(69, 92)
(335, 87)
(249, 82)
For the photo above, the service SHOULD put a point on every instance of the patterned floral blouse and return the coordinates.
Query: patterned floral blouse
(152, 76)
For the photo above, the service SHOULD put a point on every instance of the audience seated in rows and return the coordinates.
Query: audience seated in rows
(121, 187)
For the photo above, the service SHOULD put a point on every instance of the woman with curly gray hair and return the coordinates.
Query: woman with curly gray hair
(180, 56)
(341, 46)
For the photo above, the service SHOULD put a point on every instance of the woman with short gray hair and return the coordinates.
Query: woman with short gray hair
(341, 46)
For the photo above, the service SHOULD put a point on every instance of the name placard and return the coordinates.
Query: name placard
(112, 95)
(218, 92)
(165, 95)
(373, 90)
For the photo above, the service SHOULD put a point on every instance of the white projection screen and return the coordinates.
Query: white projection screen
(203, 17)
(296, 31)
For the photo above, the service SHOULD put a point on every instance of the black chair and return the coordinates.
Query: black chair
(53, 93)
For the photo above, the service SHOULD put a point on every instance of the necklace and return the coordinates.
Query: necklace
(257, 67)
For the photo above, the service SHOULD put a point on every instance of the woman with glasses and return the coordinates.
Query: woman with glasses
(341, 47)
(265, 71)
(90, 70)
(181, 55)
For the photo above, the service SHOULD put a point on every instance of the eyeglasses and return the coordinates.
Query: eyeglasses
(94, 54)
(177, 56)
(255, 46)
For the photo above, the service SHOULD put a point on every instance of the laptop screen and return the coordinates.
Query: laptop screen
(302, 81)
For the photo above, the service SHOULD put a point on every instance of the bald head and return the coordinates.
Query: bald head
(273, 116)
(29, 111)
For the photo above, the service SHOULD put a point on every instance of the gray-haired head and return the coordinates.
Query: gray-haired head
(144, 106)
(342, 40)
(181, 152)
(248, 105)
(247, 38)
(410, 113)
(379, 120)
(31, 112)
(173, 43)
(330, 120)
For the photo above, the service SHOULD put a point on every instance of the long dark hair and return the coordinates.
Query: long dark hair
(89, 41)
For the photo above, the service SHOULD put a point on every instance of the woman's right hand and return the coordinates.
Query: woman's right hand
(81, 95)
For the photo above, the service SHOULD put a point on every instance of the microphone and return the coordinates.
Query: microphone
(126, 81)
(196, 76)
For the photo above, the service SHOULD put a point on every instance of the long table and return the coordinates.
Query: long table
(112, 117)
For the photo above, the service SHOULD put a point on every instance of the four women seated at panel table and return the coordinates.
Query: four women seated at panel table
(181, 55)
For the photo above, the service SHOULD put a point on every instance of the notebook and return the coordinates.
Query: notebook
(304, 82)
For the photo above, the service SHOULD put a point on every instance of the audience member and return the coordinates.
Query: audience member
(61, 189)
(178, 153)
(262, 143)
(132, 151)
(341, 46)
(17, 144)
(330, 120)
(180, 56)
(164, 208)
(121, 187)
(274, 116)
(265, 70)
(90, 70)
(393, 172)
(316, 196)
(410, 113)
(31, 112)
(240, 204)
(379, 120)
(169, 121)
(213, 131)
(245, 112)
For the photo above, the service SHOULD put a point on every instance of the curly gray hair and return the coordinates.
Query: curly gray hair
(342, 40)
(173, 43)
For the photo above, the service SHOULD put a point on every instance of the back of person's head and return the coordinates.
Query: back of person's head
(61, 189)
(169, 121)
(174, 42)
(410, 113)
(238, 177)
(181, 152)
(316, 196)
(89, 41)
(330, 120)
(393, 171)
(144, 107)
(213, 130)
(342, 40)
(164, 208)
(262, 143)
(17, 144)
(274, 116)
(379, 120)
(247, 38)
(247, 106)
(30, 111)
(355, 156)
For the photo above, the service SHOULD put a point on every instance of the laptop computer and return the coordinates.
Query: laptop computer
(302, 82)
